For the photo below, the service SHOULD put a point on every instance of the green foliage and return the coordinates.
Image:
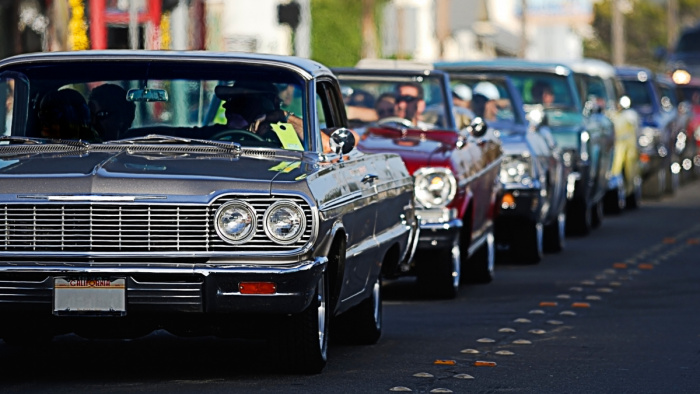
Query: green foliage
(646, 29)
(336, 33)
(336, 30)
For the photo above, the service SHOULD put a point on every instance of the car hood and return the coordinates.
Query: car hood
(514, 143)
(567, 137)
(417, 148)
(125, 172)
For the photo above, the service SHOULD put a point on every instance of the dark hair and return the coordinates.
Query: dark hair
(539, 88)
(114, 97)
(415, 85)
(67, 109)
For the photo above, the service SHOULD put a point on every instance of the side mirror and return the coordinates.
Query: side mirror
(477, 128)
(625, 102)
(342, 141)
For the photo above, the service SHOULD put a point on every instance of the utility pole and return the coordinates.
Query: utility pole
(443, 30)
(369, 35)
(523, 29)
(618, 34)
(672, 22)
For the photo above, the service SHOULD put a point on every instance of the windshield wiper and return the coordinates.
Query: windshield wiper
(168, 139)
(44, 141)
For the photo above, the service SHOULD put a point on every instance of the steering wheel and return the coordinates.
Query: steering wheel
(396, 120)
(228, 135)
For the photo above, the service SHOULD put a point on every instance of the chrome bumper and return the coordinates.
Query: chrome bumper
(29, 286)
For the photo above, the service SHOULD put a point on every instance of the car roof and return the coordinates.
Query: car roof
(386, 71)
(594, 67)
(506, 64)
(633, 71)
(307, 68)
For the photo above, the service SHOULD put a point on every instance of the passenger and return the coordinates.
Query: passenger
(410, 103)
(64, 114)
(484, 97)
(385, 106)
(462, 96)
(542, 93)
(111, 113)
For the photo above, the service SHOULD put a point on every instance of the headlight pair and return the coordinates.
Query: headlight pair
(516, 169)
(284, 222)
(434, 187)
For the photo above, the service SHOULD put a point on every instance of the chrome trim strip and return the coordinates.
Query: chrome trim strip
(466, 181)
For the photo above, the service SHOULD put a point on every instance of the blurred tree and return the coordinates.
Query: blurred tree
(337, 38)
(645, 30)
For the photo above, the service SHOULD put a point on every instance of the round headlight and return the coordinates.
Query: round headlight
(285, 222)
(434, 187)
(235, 222)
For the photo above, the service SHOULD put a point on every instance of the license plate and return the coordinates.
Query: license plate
(89, 295)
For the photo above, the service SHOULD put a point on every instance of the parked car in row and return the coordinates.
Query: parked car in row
(144, 217)
(689, 93)
(603, 93)
(455, 171)
(588, 147)
(681, 150)
(532, 201)
(659, 130)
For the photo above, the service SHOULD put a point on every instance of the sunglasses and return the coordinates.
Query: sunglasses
(406, 99)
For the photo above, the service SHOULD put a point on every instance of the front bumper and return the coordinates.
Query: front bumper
(439, 229)
(519, 203)
(28, 287)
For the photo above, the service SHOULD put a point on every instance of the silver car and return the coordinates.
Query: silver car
(201, 193)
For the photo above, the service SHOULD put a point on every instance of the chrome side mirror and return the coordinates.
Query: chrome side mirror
(342, 141)
(477, 128)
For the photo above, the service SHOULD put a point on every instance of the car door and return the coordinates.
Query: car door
(361, 178)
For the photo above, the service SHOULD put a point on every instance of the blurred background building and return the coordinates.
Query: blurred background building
(337, 32)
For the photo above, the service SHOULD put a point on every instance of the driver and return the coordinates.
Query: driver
(410, 103)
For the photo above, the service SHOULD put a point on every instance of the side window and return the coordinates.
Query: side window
(7, 96)
(328, 105)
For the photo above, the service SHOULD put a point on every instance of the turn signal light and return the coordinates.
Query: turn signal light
(257, 287)
(644, 158)
(508, 201)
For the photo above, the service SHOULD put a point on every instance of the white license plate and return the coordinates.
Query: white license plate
(89, 294)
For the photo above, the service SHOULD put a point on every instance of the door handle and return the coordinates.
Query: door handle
(369, 178)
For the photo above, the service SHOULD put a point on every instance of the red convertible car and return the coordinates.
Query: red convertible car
(454, 158)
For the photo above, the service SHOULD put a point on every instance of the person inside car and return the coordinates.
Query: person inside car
(410, 103)
(484, 100)
(542, 93)
(385, 106)
(64, 114)
(111, 113)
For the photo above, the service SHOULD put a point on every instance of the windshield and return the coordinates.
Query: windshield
(413, 101)
(104, 102)
(689, 42)
(545, 89)
(640, 95)
(487, 98)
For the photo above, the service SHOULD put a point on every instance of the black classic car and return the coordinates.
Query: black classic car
(532, 201)
(126, 210)
(588, 148)
(455, 171)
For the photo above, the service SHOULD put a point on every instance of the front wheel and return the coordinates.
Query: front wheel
(555, 234)
(480, 267)
(362, 325)
(579, 220)
(528, 243)
(439, 275)
(303, 338)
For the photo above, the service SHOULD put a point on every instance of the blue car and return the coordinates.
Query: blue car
(550, 89)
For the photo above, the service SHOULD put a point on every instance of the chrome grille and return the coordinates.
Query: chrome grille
(131, 228)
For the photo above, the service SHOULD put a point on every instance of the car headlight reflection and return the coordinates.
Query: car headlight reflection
(285, 222)
(649, 137)
(235, 222)
(516, 169)
(434, 187)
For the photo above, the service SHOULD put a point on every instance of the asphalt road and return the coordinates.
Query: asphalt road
(615, 312)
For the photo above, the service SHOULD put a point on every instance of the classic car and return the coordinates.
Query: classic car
(683, 150)
(270, 229)
(689, 93)
(455, 171)
(532, 200)
(603, 93)
(588, 148)
(658, 130)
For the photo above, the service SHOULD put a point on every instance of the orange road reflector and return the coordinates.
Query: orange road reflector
(620, 266)
(580, 305)
(548, 303)
(445, 362)
(693, 241)
(484, 364)
(646, 266)
(669, 240)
